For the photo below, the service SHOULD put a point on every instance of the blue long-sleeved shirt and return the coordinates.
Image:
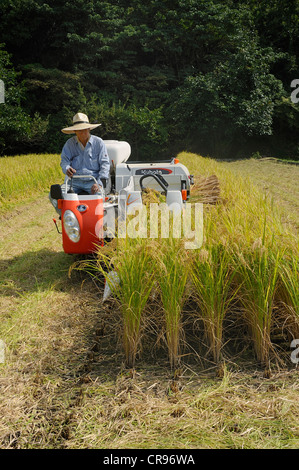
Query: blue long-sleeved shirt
(90, 160)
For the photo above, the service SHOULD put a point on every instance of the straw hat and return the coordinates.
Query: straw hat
(80, 122)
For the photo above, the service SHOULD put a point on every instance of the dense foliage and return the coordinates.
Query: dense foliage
(209, 75)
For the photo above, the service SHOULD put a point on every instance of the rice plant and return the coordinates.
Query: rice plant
(239, 263)
(289, 292)
(25, 175)
(259, 268)
(132, 263)
(171, 276)
(212, 277)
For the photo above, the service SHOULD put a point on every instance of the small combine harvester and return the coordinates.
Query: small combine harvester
(88, 219)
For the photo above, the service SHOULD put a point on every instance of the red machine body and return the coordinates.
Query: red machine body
(82, 223)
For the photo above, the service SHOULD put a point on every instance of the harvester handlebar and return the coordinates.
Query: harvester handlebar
(162, 182)
(82, 177)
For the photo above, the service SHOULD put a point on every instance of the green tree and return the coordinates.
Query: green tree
(208, 72)
(234, 99)
(17, 129)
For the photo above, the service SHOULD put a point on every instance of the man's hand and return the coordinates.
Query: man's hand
(70, 172)
(95, 188)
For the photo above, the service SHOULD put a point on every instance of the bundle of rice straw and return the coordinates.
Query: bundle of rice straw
(207, 188)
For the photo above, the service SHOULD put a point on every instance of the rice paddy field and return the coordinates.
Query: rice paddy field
(192, 350)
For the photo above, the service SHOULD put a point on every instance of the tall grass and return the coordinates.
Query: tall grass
(26, 175)
(132, 263)
(212, 276)
(258, 269)
(242, 262)
(258, 235)
(289, 292)
(172, 269)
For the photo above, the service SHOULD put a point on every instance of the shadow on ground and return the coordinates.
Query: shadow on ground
(37, 270)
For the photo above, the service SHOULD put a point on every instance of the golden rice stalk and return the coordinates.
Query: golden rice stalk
(207, 188)
(150, 195)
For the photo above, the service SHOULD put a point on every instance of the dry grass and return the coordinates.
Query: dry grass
(238, 411)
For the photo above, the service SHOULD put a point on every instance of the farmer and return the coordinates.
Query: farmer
(84, 154)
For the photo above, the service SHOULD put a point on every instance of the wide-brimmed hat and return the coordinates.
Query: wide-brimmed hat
(80, 122)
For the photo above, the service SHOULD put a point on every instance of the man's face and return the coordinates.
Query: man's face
(83, 135)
